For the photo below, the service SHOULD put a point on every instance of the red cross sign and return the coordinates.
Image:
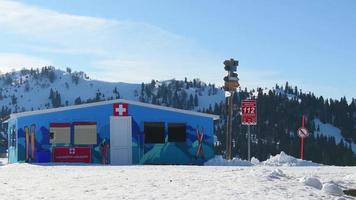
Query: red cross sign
(120, 109)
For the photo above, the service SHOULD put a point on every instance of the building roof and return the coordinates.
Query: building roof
(188, 112)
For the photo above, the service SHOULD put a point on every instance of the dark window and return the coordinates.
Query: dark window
(51, 135)
(177, 132)
(154, 132)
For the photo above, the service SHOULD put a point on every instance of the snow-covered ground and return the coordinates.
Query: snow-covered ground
(26, 181)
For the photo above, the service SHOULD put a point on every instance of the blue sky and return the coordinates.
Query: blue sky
(311, 44)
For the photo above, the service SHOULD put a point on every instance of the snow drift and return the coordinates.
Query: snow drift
(220, 161)
(283, 159)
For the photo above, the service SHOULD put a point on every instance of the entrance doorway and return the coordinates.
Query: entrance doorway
(121, 140)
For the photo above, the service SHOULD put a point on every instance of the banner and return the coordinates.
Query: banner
(72, 154)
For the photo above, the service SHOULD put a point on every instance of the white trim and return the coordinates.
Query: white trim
(37, 112)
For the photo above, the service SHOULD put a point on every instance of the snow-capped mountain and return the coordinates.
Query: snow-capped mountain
(27, 90)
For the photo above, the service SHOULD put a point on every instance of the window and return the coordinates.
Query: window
(59, 133)
(154, 132)
(85, 133)
(177, 132)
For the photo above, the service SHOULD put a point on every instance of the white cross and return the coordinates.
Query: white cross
(71, 151)
(121, 110)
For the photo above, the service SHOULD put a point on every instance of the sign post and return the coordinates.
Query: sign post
(231, 83)
(249, 117)
(302, 133)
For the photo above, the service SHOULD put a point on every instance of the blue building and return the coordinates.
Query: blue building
(112, 132)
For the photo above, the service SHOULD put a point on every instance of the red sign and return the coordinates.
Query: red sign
(249, 112)
(303, 132)
(72, 154)
(120, 109)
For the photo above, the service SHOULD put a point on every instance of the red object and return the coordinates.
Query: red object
(200, 151)
(303, 133)
(120, 109)
(59, 124)
(302, 148)
(72, 154)
(249, 112)
(104, 151)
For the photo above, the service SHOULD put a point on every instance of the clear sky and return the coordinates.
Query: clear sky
(311, 44)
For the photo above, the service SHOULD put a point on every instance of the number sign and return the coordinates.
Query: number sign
(249, 112)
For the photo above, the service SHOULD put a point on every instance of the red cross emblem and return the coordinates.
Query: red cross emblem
(71, 151)
(200, 151)
(120, 109)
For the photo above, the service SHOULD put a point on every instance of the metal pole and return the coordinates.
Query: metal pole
(229, 128)
(249, 143)
(302, 142)
(230, 131)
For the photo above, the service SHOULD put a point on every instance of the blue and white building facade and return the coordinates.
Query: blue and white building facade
(113, 132)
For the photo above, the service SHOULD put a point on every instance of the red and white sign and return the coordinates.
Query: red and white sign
(72, 154)
(120, 109)
(249, 112)
(303, 132)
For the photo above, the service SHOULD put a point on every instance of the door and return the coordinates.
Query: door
(121, 140)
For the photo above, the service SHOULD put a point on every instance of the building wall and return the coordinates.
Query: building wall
(166, 153)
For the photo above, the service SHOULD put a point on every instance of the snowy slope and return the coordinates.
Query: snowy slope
(36, 96)
(331, 131)
(39, 90)
(206, 100)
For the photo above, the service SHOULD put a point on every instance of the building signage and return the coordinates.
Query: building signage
(72, 154)
(249, 112)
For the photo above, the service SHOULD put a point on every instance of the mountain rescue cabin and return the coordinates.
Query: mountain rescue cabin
(118, 132)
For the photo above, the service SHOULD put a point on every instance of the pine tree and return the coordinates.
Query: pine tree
(196, 103)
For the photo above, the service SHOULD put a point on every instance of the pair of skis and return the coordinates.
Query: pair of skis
(200, 151)
(30, 142)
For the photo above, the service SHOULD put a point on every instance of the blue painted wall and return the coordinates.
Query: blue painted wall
(166, 153)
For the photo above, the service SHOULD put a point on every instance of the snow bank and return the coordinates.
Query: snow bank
(283, 159)
(220, 161)
(332, 189)
(312, 182)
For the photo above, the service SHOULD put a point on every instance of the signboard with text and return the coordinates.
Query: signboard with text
(72, 154)
(249, 112)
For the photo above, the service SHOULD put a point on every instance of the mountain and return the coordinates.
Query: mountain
(332, 123)
(36, 89)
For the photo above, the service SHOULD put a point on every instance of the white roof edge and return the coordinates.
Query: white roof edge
(37, 112)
